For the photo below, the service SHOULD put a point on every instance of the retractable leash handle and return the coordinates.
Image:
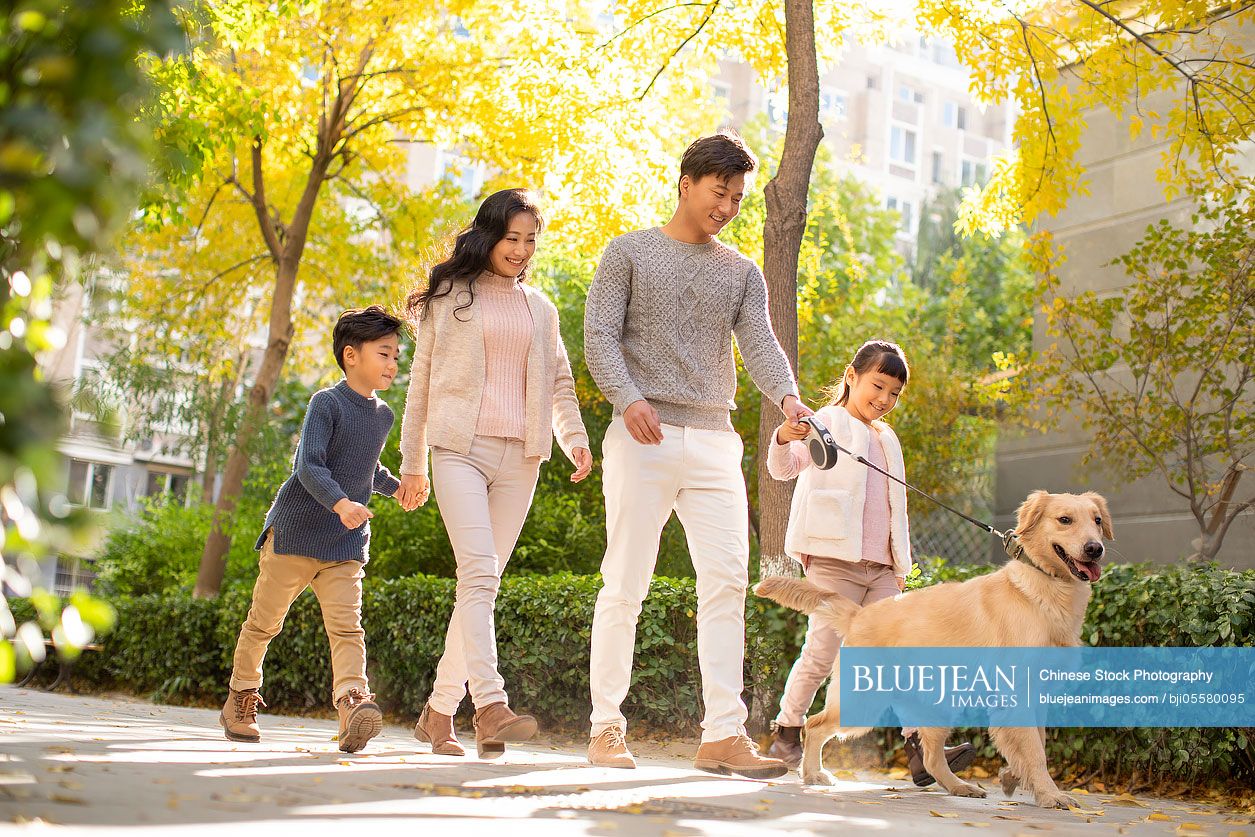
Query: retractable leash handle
(823, 448)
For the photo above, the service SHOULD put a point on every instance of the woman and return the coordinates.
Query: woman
(490, 388)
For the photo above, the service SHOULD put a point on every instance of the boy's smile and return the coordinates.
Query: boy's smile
(374, 366)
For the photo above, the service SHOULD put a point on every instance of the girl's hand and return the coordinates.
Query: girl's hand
(791, 432)
(583, 463)
(901, 583)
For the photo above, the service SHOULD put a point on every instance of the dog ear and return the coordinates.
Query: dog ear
(1030, 511)
(1101, 502)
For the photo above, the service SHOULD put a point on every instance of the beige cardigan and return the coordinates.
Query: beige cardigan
(442, 404)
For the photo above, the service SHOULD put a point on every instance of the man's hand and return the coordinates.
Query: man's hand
(352, 514)
(583, 463)
(794, 409)
(641, 420)
(413, 491)
(792, 429)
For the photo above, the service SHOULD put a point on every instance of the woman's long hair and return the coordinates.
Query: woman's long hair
(471, 249)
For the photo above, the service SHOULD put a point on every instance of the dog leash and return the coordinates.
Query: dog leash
(824, 449)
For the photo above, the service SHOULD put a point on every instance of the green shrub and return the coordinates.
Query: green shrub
(180, 648)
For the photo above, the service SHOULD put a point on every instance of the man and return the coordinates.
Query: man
(661, 313)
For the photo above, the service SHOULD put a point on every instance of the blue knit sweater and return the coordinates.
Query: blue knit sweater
(338, 457)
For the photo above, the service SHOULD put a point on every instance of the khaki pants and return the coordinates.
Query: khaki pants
(338, 586)
(862, 582)
(696, 473)
(484, 497)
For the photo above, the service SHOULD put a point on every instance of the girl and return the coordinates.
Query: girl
(848, 529)
(490, 388)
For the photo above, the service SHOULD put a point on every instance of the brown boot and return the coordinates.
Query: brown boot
(360, 720)
(437, 730)
(959, 757)
(496, 724)
(239, 715)
(737, 755)
(610, 750)
(786, 745)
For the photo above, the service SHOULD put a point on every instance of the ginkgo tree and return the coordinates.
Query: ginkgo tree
(293, 120)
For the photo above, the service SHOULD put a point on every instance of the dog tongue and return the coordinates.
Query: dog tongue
(1091, 571)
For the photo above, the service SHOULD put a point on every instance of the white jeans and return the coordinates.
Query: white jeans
(698, 474)
(484, 497)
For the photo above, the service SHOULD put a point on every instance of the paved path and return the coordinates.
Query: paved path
(71, 764)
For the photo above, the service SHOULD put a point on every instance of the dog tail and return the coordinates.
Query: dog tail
(800, 594)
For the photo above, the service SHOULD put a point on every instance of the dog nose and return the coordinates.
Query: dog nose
(1093, 550)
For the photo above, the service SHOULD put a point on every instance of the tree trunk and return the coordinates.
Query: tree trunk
(213, 561)
(786, 198)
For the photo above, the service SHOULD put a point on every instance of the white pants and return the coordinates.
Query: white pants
(484, 497)
(698, 474)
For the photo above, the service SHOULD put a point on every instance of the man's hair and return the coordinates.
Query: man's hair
(724, 154)
(362, 325)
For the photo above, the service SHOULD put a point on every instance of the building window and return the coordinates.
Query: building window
(721, 92)
(89, 484)
(905, 210)
(831, 103)
(161, 482)
(938, 167)
(902, 145)
(972, 172)
(907, 93)
(954, 115)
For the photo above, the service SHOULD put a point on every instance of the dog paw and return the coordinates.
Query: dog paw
(1055, 800)
(823, 777)
(1009, 781)
(968, 789)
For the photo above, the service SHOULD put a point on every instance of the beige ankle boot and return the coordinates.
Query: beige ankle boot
(496, 724)
(436, 729)
(239, 715)
(360, 720)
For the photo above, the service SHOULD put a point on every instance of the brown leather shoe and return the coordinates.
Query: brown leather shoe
(786, 745)
(437, 730)
(737, 755)
(239, 715)
(610, 749)
(959, 757)
(495, 725)
(360, 720)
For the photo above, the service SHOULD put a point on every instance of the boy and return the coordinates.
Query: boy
(662, 310)
(316, 533)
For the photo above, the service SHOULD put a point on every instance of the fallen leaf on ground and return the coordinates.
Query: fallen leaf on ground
(939, 814)
(1126, 799)
(1155, 816)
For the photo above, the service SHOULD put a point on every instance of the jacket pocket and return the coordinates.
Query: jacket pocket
(828, 514)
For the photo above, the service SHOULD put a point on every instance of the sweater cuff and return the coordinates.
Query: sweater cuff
(387, 485)
(779, 458)
(784, 392)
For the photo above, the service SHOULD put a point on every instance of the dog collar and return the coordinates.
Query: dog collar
(1011, 543)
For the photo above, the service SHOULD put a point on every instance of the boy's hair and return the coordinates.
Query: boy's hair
(362, 325)
(723, 154)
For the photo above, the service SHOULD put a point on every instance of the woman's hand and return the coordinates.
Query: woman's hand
(413, 492)
(583, 463)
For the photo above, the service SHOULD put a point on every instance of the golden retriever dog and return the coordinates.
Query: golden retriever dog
(1039, 600)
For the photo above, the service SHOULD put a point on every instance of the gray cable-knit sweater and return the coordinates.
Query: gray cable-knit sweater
(338, 457)
(659, 322)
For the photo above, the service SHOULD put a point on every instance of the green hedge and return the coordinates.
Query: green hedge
(179, 648)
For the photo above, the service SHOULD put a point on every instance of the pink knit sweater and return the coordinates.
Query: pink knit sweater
(507, 338)
(876, 506)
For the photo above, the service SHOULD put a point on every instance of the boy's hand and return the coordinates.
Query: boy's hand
(583, 464)
(413, 492)
(352, 514)
(641, 420)
(791, 432)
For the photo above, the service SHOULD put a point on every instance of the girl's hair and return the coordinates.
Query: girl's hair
(471, 248)
(873, 356)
